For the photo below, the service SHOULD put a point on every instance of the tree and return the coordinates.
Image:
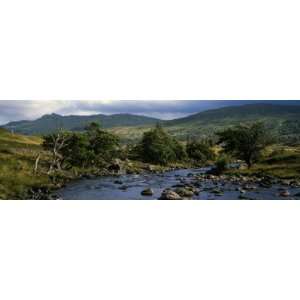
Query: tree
(85, 149)
(77, 152)
(246, 142)
(103, 144)
(157, 146)
(200, 151)
(92, 127)
(55, 143)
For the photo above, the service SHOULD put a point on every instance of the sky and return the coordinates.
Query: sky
(15, 110)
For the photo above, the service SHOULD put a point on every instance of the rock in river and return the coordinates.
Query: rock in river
(284, 193)
(147, 192)
(169, 195)
(118, 182)
(123, 187)
(184, 192)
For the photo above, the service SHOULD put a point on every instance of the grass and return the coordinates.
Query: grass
(18, 154)
(280, 161)
(17, 158)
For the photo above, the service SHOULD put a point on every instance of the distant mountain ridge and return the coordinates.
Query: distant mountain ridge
(281, 119)
(51, 122)
(248, 111)
(284, 119)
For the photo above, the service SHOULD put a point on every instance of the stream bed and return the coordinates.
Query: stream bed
(130, 186)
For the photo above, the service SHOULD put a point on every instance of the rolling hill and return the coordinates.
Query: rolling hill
(284, 119)
(50, 123)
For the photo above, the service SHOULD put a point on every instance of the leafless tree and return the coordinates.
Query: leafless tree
(58, 141)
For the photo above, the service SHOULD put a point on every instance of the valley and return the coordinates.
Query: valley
(26, 162)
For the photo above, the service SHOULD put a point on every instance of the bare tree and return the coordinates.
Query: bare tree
(55, 143)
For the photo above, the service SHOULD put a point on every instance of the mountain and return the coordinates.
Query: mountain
(50, 123)
(249, 112)
(282, 119)
(274, 116)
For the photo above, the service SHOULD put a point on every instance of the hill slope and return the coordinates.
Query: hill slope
(50, 123)
(283, 119)
(17, 158)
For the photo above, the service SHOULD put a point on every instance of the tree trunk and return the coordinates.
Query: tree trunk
(249, 163)
(36, 165)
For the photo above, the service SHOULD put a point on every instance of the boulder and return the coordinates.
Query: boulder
(118, 182)
(116, 166)
(218, 192)
(284, 193)
(150, 168)
(286, 182)
(169, 195)
(147, 192)
(248, 187)
(123, 187)
(184, 192)
(241, 190)
(265, 185)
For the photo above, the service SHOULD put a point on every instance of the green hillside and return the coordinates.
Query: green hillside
(50, 123)
(281, 119)
(17, 158)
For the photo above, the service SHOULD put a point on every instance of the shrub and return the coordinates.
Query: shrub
(221, 164)
(157, 146)
(200, 151)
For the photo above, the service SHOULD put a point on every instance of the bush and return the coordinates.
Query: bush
(159, 147)
(200, 151)
(221, 164)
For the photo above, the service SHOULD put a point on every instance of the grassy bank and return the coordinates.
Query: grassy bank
(18, 154)
(279, 161)
(17, 157)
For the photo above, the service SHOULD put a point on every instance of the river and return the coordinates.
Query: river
(126, 187)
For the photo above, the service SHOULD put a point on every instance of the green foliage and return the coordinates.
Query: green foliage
(246, 142)
(159, 147)
(77, 152)
(222, 164)
(83, 149)
(105, 144)
(200, 151)
(93, 127)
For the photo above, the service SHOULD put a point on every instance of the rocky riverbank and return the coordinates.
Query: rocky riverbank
(181, 184)
(246, 186)
(116, 169)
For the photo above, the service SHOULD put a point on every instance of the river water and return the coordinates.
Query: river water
(126, 187)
